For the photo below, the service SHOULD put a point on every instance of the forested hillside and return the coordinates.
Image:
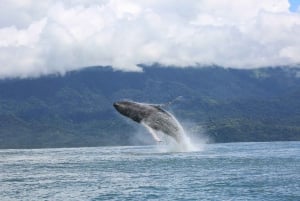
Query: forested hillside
(229, 105)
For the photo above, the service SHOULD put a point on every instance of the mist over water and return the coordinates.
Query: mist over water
(189, 141)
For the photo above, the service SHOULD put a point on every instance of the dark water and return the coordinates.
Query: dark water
(237, 171)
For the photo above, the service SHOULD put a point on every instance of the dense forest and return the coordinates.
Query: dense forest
(225, 105)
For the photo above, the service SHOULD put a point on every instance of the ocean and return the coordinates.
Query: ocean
(230, 171)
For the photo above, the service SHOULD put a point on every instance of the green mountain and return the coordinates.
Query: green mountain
(228, 105)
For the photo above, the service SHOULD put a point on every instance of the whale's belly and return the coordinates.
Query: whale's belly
(164, 123)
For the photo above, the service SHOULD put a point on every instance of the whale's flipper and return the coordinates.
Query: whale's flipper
(153, 133)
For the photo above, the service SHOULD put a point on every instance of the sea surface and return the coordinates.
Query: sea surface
(233, 171)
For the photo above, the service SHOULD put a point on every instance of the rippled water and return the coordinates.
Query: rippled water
(235, 171)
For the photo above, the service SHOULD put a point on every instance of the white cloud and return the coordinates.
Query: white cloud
(42, 37)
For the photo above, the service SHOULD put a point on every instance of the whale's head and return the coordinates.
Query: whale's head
(122, 106)
(133, 110)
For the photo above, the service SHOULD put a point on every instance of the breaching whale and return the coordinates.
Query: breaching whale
(153, 117)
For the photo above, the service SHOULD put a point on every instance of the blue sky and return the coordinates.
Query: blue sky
(294, 5)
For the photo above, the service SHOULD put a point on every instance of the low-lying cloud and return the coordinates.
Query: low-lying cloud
(43, 37)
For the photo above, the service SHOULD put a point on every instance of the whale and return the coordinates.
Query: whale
(153, 117)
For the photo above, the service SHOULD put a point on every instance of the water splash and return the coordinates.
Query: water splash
(168, 144)
(187, 144)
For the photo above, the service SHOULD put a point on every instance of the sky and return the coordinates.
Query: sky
(44, 37)
(294, 5)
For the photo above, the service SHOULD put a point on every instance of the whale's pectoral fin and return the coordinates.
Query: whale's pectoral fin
(153, 133)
